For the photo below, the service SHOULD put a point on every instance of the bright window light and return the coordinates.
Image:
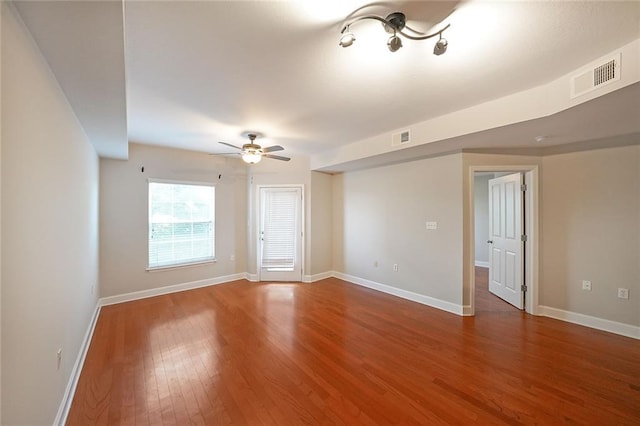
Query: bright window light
(181, 224)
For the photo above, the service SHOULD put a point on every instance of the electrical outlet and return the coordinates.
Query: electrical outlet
(623, 293)
(395, 267)
(232, 257)
(586, 285)
(59, 358)
(432, 225)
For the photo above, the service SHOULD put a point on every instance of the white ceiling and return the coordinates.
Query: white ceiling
(201, 72)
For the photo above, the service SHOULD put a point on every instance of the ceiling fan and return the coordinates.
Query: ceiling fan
(252, 153)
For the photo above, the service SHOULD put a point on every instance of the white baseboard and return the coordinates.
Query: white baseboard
(405, 294)
(317, 277)
(127, 297)
(466, 311)
(482, 263)
(67, 398)
(254, 278)
(592, 322)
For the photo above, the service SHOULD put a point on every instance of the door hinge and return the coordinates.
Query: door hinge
(523, 288)
(523, 238)
(523, 187)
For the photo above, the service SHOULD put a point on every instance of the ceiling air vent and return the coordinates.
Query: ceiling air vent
(401, 138)
(598, 75)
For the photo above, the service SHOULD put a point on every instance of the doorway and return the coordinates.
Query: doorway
(280, 233)
(512, 277)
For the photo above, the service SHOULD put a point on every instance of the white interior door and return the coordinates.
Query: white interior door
(505, 239)
(280, 245)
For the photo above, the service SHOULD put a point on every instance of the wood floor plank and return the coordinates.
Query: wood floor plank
(336, 353)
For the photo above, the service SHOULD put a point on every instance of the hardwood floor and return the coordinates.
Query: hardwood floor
(336, 353)
(485, 301)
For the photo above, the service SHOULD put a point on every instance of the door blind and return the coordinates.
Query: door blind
(279, 228)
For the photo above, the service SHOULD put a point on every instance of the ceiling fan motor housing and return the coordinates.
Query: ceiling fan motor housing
(252, 148)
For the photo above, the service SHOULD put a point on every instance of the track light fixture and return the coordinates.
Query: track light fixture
(396, 24)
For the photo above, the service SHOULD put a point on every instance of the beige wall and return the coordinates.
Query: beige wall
(123, 210)
(337, 222)
(591, 231)
(49, 232)
(1, 12)
(481, 208)
(380, 216)
(321, 223)
(124, 216)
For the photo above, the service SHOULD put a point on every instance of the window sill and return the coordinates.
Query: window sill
(179, 266)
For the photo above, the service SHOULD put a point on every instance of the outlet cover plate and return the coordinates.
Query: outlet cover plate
(623, 293)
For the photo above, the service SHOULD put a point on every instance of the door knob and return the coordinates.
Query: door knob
(489, 241)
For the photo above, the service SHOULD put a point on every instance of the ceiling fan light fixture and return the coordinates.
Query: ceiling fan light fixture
(252, 153)
(251, 157)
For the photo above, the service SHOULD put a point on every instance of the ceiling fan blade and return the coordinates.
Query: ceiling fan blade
(276, 157)
(273, 148)
(225, 153)
(232, 146)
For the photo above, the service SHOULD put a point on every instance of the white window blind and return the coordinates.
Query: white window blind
(181, 224)
(279, 228)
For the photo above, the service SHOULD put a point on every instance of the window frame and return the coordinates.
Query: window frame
(185, 264)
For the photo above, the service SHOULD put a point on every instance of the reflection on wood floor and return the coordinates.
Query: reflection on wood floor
(336, 353)
(485, 300)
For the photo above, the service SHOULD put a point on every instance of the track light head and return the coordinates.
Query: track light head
(441, 46)
(394, 43)
(347, 39)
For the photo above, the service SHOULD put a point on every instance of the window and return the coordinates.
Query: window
(181, 224)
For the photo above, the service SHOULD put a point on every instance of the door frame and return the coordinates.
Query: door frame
(259, 224)
(531, 226)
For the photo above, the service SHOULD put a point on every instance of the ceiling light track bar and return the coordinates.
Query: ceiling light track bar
(362, 18)
(425, 37)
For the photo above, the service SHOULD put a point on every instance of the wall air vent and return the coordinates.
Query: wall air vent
(599, 74)
(401, 138)
(604, 73)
